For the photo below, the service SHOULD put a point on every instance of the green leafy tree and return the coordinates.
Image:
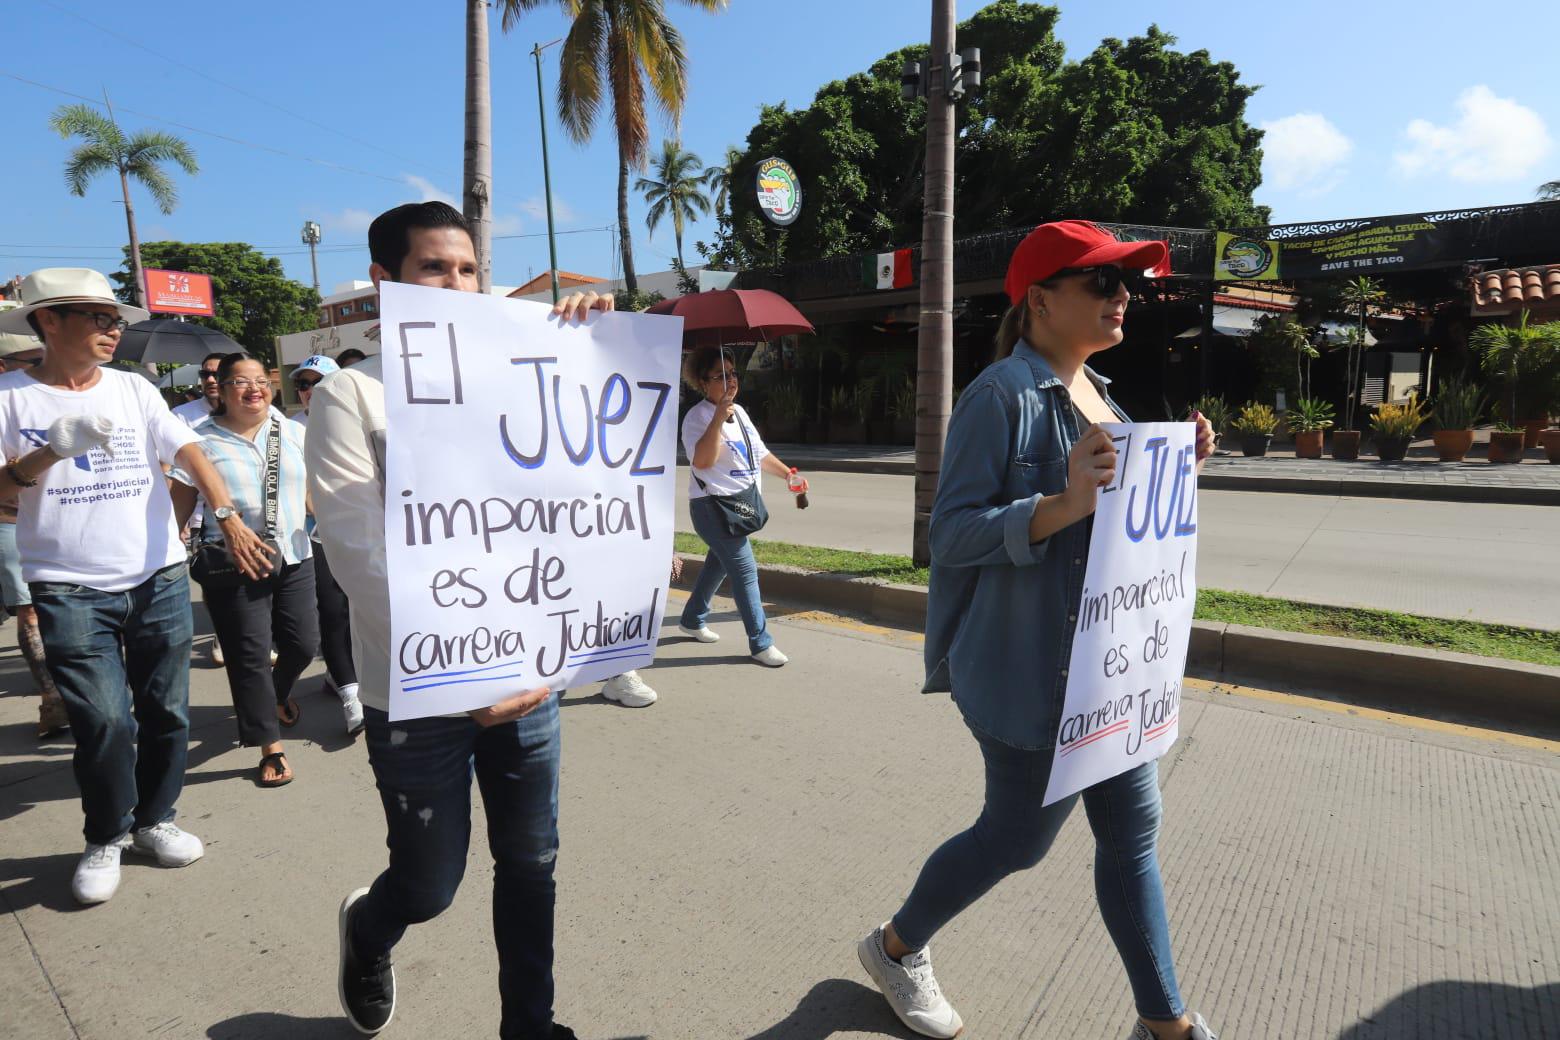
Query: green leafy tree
(1514, 351)
(676, 191)
(254, 299)
(139, 157)
(617, 50)
(721, 178)
(1136, 132)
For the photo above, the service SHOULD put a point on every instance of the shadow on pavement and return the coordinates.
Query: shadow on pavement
(265, 1025)
(39, 881)
(1452, 1007)
(836, 1006)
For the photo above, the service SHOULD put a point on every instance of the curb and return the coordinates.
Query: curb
(1377, 675)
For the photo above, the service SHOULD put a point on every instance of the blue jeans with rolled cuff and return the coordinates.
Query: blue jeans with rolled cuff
(423, 769)
(1014, 832)
(121, 661)
(729, 554)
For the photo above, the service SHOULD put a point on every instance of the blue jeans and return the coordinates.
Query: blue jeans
(1014, 832)
(728, 555)
(423, 768)
(109, 653)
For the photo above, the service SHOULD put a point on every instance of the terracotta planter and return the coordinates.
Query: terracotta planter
(1550, 439)
(1532, 430)
(1505, 447)
(1453, 445)
(1255, 445)
(1346, 445)
(1308, 444)
(1392, 449)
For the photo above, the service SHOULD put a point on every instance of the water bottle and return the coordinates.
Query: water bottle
(794, 484)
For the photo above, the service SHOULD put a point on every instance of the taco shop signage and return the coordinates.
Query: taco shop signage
(779, 192)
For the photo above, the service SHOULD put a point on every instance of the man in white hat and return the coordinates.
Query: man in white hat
(84, 447)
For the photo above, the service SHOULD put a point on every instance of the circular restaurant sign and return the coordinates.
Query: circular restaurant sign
(779, 191)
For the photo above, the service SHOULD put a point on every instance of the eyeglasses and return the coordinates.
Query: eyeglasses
(1106, 279)
(304, 385)
(729, 373)
(104, 322)
(248, 384)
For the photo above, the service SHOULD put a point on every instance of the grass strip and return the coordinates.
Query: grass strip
(1510, 642)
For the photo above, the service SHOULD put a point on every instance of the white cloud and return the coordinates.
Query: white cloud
(535, 207)
(508, 225)
(1304, 152)
(1493, 139)
(348, 221)
(430, 192)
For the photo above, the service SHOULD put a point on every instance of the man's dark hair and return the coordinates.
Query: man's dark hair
(350, 356)
(218, 356)
(389, 236)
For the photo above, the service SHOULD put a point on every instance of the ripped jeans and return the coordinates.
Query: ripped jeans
(423, 768)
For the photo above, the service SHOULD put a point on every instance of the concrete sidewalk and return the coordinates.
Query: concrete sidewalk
(1331, 873)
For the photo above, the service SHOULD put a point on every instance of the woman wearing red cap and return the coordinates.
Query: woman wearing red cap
(1010, 532)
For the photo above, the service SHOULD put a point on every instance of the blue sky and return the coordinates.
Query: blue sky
(1385, 106)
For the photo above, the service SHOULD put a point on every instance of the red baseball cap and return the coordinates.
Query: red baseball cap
(1077, 243)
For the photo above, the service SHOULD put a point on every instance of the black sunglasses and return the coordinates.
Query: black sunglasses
(104, 322)
(301, 385)
(1106, 280)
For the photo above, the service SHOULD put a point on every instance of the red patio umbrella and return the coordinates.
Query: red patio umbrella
(712, 318)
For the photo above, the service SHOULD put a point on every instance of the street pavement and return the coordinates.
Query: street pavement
(1332, 872)
(1476, 561)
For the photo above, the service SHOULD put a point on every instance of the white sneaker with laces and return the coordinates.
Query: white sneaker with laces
(1200, 1030)
(628, 690)
(171, 846)
(97, 873)
(703, 633)
(771, 657)
(352, 712)
(910, 988)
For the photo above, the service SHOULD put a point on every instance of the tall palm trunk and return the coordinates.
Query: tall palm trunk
(630, 280)
(477, 193)
(135, 242)
(934, 342)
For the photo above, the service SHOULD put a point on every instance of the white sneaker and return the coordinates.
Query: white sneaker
(171, 846)
(702, 633)
(216, 654)
(352, 712)
(1200, 1030)
(628, 690)
(910, 987)
(97, 873)
(771, 657)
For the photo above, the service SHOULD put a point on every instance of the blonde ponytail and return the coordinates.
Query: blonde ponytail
(1015, 324)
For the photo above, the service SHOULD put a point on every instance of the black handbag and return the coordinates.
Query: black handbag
(743, 513)
(213, 565)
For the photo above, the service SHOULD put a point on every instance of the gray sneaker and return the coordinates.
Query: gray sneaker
(1200, 1030)
(910, 988)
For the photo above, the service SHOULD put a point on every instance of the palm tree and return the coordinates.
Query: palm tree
(477, 174)
(105, 147)
(619, 47)
(722, 178)
(1293, 336)
(674, 191)
(1361, 293)
(1504, 349)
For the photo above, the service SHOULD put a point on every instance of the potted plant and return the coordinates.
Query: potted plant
(1309, 419)
(783, 414)
(845, 423)
(1215, 410)
(1506, 443)
(1457, 409)
(1360, 294)
(1395, 426)
(1517, 351)
(901, 409)
(1254, 425)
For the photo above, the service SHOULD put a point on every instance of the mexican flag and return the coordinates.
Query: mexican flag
(887, 270)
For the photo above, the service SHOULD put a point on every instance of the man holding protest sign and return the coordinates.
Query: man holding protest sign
(1041, 473)
(423, 766)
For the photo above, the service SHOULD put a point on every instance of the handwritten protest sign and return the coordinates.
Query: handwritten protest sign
(1135, 621)
(529, 480)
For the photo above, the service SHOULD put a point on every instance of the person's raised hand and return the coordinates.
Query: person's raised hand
(575, 306)
(516, 707)
(1205, 438)
(1091, 465)
(73, 435)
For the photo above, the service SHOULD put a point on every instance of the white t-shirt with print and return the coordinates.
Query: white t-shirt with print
(97, 520)
(733, 470)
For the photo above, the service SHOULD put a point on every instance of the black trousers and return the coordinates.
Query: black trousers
(250, 619)
(335, 625)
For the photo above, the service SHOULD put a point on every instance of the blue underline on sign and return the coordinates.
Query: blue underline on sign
(604, 660)
(459, 682)
(468, 671)
(594, 655)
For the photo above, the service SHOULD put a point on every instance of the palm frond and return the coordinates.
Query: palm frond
(84, 164)
(628, 95)
(158, 184)
(661, 54)
(154, 146)
(579, 74)
(87, 122)
(513, 9)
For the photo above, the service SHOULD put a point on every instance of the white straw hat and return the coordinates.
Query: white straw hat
(15, 343)
(52, 286)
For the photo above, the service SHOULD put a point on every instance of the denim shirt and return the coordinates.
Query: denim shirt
(1001, 611)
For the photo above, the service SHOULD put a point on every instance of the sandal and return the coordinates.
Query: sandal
(288, 714)
(281, 774)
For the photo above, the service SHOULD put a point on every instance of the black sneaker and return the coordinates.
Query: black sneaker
(367, 990)
(563, 1033)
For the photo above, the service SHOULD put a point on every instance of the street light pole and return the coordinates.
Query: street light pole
(311, 238)
(541, 112)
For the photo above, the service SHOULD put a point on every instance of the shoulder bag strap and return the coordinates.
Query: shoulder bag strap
(273, 477)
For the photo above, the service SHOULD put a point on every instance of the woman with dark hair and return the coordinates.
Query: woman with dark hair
(1010, 531)
(725, 454)
(257, 451)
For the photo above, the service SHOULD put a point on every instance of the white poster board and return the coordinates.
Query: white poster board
(1135, 620)
(529, 480)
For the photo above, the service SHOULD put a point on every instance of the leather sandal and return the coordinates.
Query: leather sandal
(288, 714)
(281, 771)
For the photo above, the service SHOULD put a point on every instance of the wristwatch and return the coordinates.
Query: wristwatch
(224, 513)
